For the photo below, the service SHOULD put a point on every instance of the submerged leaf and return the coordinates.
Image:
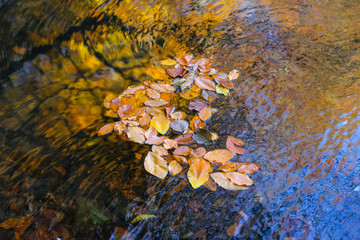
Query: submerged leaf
(185, 139)
(156, 165)
(202, 136)
(157, 73)
(219, 155)
(168, 62)
(132, 90)
(197, 105)
(161, 124)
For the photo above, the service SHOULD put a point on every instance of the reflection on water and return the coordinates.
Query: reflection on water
(296, 106)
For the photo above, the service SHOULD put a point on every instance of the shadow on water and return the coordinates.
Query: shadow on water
(296, 107)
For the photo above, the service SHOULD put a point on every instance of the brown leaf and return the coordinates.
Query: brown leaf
(204, 114)
(185, 139)
(152, 93)
(174, 168)
(198, 172)
(170, 144)
(182, 61)
(197, 105)
(156, 165)
(177, 72)
(132, 90)
(20, 225)
(211, 185)
(249, 168)
(156, 103)
(226, 83)
(182, 151)
(233, 145)
(163, 88)
(119, 128)
(106, 129)
(219, 155)
(136, 134)
(205, 82)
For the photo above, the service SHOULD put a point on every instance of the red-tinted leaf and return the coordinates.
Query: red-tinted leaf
(177, 72)
(233, 145)
(106, 129)
(185, 139)
(249, 168)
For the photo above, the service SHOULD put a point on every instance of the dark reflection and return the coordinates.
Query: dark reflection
(296, 106)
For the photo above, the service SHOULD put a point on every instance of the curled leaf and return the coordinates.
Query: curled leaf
(234, 74)
(230, 167)
(142, 217)
(119, 128)
(156, 165)
(197, 105)
(176, 72)
(226, 83)
(219, 155)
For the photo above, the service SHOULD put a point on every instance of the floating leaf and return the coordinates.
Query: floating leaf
(174, 167)
(178, 81)
(204, 82)
(189, 79)
(219, 155)
(185, 139)
(182, 61)
(170, 144)
(156, 165)
(197, 123)
(168, 62)
(230, 167)
(208, 95)
(249, 168)
(176, 72)
(152, 93)
(161, 151)
(123, 110)
(198, 172)
(119, 128)
(157, 73)
(226, 83)
(191, 93)
(106, 129)
(233, 145)
(239, 178)
(136, 134)
(132, 90)
(204, 114)
(178, 115)
(142, 217)
(222, 90)
(151, 132)
(144, 120)
(156, 103)
(163, 88)
(156, 140)
(179, 125)
(182, 151)
(224, 182)
(198, 152)
(197, 105)
(161, 124)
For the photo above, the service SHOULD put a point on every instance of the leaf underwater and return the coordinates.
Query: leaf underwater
(156, 165)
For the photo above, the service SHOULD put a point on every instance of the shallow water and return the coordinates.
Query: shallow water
(296, 106)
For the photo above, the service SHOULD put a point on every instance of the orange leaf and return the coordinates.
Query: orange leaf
(156, 165)
(183, 150)
(161, 124)
(145, 120)
(119, 128)
(168, 62)
(249, 168)
(198, 172)
(20, 224)
(204, 82)
(174, 168)
(151, 132)
(178, 115)
(197, 123)
(223, 180)
(239, 179)
(219, 155)
(230, 167)
(234, 74)
(106, 129)
(170, 143)
(198, 152)
(157, 73)
(233, 145)
(204, 114)
(226, 83)
(182, 61)
(123, 110)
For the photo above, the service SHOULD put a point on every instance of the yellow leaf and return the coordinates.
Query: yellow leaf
(198, 172)
(156, 165)
(224, 182)
(219, 155)
(174, 167)
(161, 124)
(168, 62)
(222, 90)
(136, 134)
(157, 73)
(142, 217)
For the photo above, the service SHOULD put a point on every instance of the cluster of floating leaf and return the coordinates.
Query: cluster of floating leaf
(148, 116)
